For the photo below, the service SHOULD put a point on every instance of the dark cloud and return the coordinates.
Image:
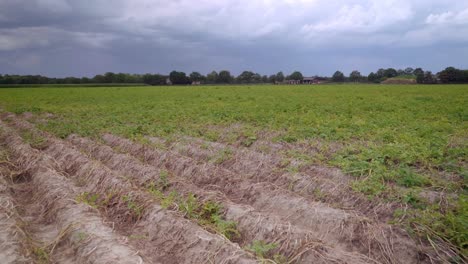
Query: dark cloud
(61, 38)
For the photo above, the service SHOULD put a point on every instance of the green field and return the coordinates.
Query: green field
(395, 140)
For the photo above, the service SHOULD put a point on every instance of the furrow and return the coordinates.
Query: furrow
(320, 183)
(158, 233)
(13, 238)
(294, 243)
(65, 230)
(348, 231)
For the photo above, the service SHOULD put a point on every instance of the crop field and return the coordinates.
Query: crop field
(234, 174)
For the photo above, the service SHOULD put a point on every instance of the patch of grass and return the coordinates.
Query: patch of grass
(41, 254)
(133, 206)
(261, 249)
(409, 178)
(208, 214)
(222, 156)
(34, 140)
(90, 199)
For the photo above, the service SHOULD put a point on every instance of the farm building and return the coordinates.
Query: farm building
(306, 80)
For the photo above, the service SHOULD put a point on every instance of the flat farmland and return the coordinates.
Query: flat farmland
(235, 174)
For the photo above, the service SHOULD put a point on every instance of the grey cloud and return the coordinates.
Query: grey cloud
(87, 37)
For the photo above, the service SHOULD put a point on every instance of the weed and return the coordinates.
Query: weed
(169, 200)
(410, 179)
(189, 206)
(42, 255)
(223, 156)
(133, 206)
(247, 142)
(163, 179)
(260, 248)
(81, 236)
(34, 140)
(88, 198)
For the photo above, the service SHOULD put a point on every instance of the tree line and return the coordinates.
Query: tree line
(447, 76)
(450, 75)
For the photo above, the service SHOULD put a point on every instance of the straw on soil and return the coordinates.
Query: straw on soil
(293, 242)
(349, 231)
(160, 234)
(56, 221)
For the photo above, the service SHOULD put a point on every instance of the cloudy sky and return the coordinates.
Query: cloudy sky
(88, 37)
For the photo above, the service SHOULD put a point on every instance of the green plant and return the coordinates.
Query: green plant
(163, 179)
(223, 156)
(260, 248)
(132, 205)
(34, 140)
(169, 200)
(408, 178)
(226, 228)
(189, 206)
(88, 198)
(42, 255)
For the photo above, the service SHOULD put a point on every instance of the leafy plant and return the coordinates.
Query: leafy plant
(132, 205)
(88, 198)
(260, 248)
(190, 206)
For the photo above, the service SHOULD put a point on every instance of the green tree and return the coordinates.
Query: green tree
(196, 77)
(429, 78)
(338, 77)
(224, 77)
(212, 77)
(450, 75)
(297, 75)
(279, 77)
(272, 78)
(355, 76)
(409, 71)
(390, 73)
(109, 77)
(245, 77)
(178, 78)
(418, 71)
(373, 78)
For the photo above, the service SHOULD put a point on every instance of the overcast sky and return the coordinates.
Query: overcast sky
(88, 37)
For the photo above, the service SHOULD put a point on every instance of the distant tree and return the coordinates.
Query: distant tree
(257, 78)
(212, 77)
(224, 77)
(338, 77)
(245, 77)
(400, 72)
(409, 71)
(418, 71)
(355, 76)
(178, 78)
(380, 73)
(390, 73)
(297, 75)
(109, 77)
(279, 77)
(98, 79)
(373, 78)
(449, 75)
(196, 77)
(154, 79)
(272, 78)
(429, 78)
(264, 79)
